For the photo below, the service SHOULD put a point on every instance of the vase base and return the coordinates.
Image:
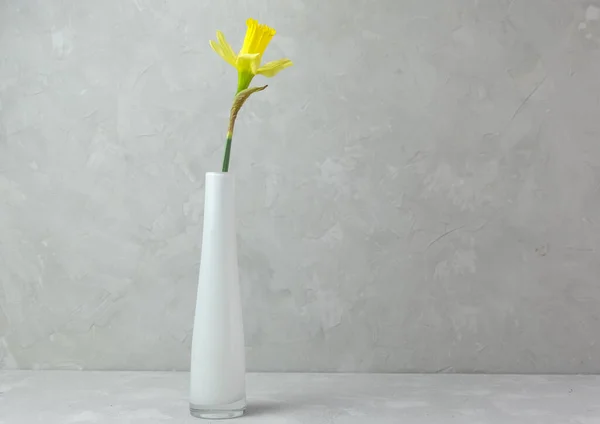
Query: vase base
(219, 412)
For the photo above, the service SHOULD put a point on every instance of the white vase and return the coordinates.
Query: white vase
(218, 368)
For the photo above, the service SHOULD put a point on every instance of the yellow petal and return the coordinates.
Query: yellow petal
(219, 50)
(226, 47)
(248, 63)
(272, 68)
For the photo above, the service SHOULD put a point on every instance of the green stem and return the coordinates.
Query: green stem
(227, 153)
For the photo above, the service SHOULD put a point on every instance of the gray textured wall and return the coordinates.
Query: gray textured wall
(421, 191)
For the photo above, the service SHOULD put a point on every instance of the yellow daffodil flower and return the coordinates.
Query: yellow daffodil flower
(248, 60)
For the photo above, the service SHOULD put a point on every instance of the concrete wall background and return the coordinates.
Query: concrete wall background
(420, 192)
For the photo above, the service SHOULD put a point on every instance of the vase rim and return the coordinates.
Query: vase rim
(220, 174)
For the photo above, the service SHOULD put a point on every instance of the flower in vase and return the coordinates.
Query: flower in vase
(248, 64)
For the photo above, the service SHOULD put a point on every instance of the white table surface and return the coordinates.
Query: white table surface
(67, 397)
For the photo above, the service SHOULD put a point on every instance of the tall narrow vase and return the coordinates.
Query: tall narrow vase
(218, 385)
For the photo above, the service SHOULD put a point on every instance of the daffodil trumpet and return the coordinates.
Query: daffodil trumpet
(248, 64)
